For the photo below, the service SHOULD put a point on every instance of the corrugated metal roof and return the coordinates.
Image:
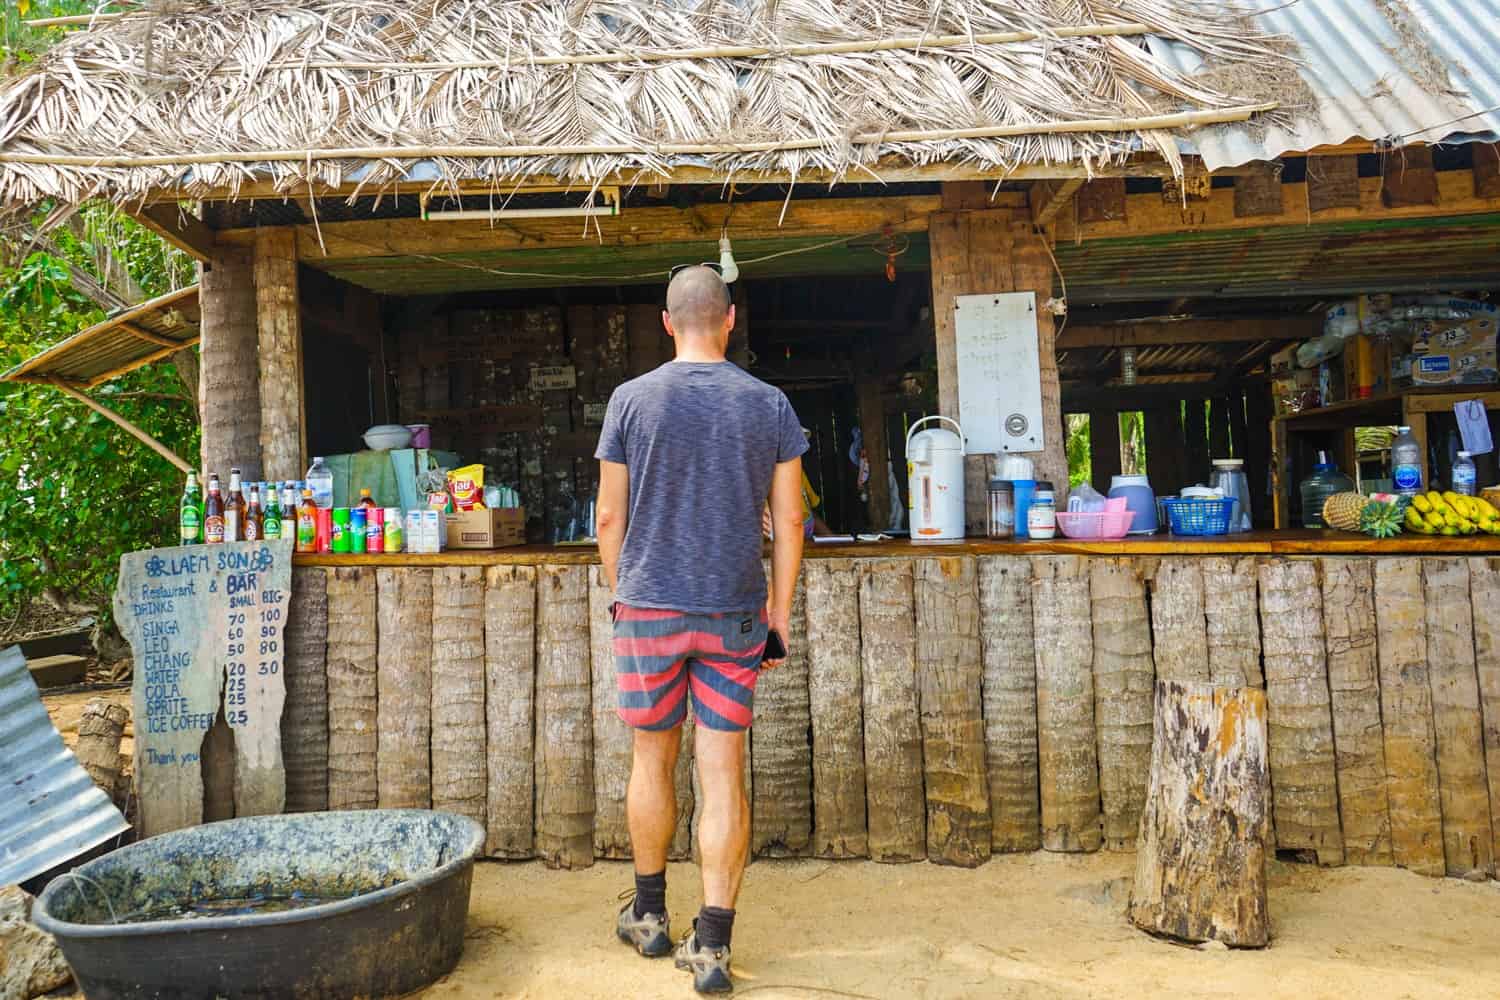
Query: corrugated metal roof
(1399, 70)
(50, 809)
(122, 343)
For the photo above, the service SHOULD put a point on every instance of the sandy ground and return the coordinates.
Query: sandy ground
(1038, 925)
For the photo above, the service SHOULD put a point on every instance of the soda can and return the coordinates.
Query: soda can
(414, 531)
(393, 529)
(357, 528)
(341, 529)
(374, 529)
(323, 538)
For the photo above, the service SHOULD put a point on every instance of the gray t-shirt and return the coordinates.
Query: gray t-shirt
(700, 441)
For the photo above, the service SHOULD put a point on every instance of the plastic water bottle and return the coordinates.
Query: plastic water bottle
(1464, 475)
(1406, 463)
(320, 481)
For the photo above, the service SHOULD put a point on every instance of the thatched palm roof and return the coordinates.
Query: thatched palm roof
(201, 97)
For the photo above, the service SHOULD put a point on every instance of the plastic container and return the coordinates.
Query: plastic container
(1325, 481)
(1406, 463)
(1001, 521)
(1141, 500)
(1229, 476)
(320, 481)
(1041, 513)
(1024, 488)
(1107, 525)
(1465, 477)
(1199, 516)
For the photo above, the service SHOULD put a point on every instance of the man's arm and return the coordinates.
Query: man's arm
(610, 516)
(786, 548)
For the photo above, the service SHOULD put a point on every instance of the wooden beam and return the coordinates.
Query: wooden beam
(126, 425)
(1124, 398)
(283, 419)
(1048, 198)
(186, 232)
(1104, 448)
(1191, 331)
(1408, 177)
(152, 338)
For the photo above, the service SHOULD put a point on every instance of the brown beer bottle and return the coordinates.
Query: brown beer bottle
(213, 513)
(234, 509)
(255, 525)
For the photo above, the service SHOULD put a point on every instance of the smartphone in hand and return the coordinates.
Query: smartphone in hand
(775, 647)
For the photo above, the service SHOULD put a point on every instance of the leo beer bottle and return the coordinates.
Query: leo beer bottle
(213, 513)
(234, 509)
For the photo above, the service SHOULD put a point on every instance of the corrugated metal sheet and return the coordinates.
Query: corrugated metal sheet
(50, 810)
(1402, 70)
(122, 343)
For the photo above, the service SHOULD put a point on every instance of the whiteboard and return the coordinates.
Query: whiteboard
(999, 372)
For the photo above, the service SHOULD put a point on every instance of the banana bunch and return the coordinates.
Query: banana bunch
(1451, 513)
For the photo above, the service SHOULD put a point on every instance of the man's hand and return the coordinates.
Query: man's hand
(781, 625)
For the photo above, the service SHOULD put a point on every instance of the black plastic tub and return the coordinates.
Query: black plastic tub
(339, 904)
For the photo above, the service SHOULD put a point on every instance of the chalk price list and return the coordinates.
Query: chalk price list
(252, 647)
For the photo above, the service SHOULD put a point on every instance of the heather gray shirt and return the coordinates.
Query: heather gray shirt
(700, 441)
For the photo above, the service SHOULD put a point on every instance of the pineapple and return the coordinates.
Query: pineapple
(1344, 510)
(1380, 519)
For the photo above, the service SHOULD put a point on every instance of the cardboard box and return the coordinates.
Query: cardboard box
(1461, 353)
(1295, 392)
(495, 528)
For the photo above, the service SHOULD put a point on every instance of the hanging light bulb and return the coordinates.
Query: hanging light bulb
(727, 267)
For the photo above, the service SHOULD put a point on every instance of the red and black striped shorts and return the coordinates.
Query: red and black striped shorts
(661, 656)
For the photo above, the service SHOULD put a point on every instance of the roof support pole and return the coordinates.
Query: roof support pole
(229, 384)
(282, 416)
(126, 425)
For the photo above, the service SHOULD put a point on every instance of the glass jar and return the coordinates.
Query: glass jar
(1041, 516)
(1002, 509)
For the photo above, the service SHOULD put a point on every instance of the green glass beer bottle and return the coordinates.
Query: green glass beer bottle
(271, 528)
(190, 513)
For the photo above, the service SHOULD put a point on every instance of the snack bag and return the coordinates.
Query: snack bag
(467, 486)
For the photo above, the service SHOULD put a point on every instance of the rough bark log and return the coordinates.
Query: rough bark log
(459, 768)
(781, 754)
(279, 323)
(682, 782)
(304, 720)
(1463, 786)
(404, 761)
(1301, 723)
(564, 720)
(101, 728)
(1233, 619)
(1069, 764)
(950, 675)
(352, 685)
(1484, 586)
(1406, 717)
(1010, 736)
(1354, 687)
(229, 385)
(612, 739)
(510, 676)
(897, 808)
(1178, 623)
(834, 694)
(1200, 872)
(1123, 678)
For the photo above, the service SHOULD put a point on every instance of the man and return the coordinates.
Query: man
(687, 457)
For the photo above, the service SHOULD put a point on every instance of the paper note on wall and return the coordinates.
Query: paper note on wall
(999, 372)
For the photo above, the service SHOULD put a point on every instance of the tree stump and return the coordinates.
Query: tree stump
(1200, 869)
(100, 732)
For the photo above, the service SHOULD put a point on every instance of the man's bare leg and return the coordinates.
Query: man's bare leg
(651, 810)
(724, 825)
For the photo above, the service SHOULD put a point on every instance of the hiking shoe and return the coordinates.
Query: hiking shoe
(710, 967)
(648, 934)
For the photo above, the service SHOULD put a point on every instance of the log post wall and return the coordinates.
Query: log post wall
(279, 337)
(937, 707)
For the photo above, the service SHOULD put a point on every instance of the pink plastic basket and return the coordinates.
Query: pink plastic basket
(1106, 525)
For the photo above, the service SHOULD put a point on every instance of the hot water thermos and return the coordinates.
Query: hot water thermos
(935, 478)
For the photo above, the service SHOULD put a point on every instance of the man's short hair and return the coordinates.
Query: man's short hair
(697, 300)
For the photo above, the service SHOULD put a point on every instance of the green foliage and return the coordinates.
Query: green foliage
(1080, 462)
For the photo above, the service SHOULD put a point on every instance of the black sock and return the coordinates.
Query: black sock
(651, 893)
(715, 925)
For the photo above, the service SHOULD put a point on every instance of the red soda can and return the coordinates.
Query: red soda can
(325, 529)
(374, 529)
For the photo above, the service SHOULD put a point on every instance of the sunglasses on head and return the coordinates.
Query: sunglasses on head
(711, 265)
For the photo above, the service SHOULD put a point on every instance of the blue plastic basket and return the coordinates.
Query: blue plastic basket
(1200, 516)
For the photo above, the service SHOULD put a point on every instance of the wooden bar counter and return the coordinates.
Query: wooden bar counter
(940, 701)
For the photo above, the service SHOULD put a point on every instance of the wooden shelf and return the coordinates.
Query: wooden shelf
(1423, 399)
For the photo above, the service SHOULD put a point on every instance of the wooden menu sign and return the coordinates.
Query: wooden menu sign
(205, 623)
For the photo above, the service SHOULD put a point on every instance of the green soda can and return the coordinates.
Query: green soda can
(340, 529)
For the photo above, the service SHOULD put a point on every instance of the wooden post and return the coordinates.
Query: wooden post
(404, 724)
(1009, 687)
(1354, 687)
(1065, 705)
(1463, 786)
(1406, 717)
(1195, 438)
(612, 739)
(1302, 760)
(834, 686)
(1179, 624)
(228, 392)
(1104, 448)
(352, 671)
(893, 729)
(510, 677)
(1164, 451)
(101, 729)
(872, 423)
(282, 418)
(1123, 679)
(564, 720)
(1231, 610)
(781, 755)
(1484, 585)
(459, 773)
(1200, 871)
(304, 719)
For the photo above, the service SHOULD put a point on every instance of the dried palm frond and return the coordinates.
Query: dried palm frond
(191, 98)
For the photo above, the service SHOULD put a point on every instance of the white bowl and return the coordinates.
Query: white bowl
(384, 437)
